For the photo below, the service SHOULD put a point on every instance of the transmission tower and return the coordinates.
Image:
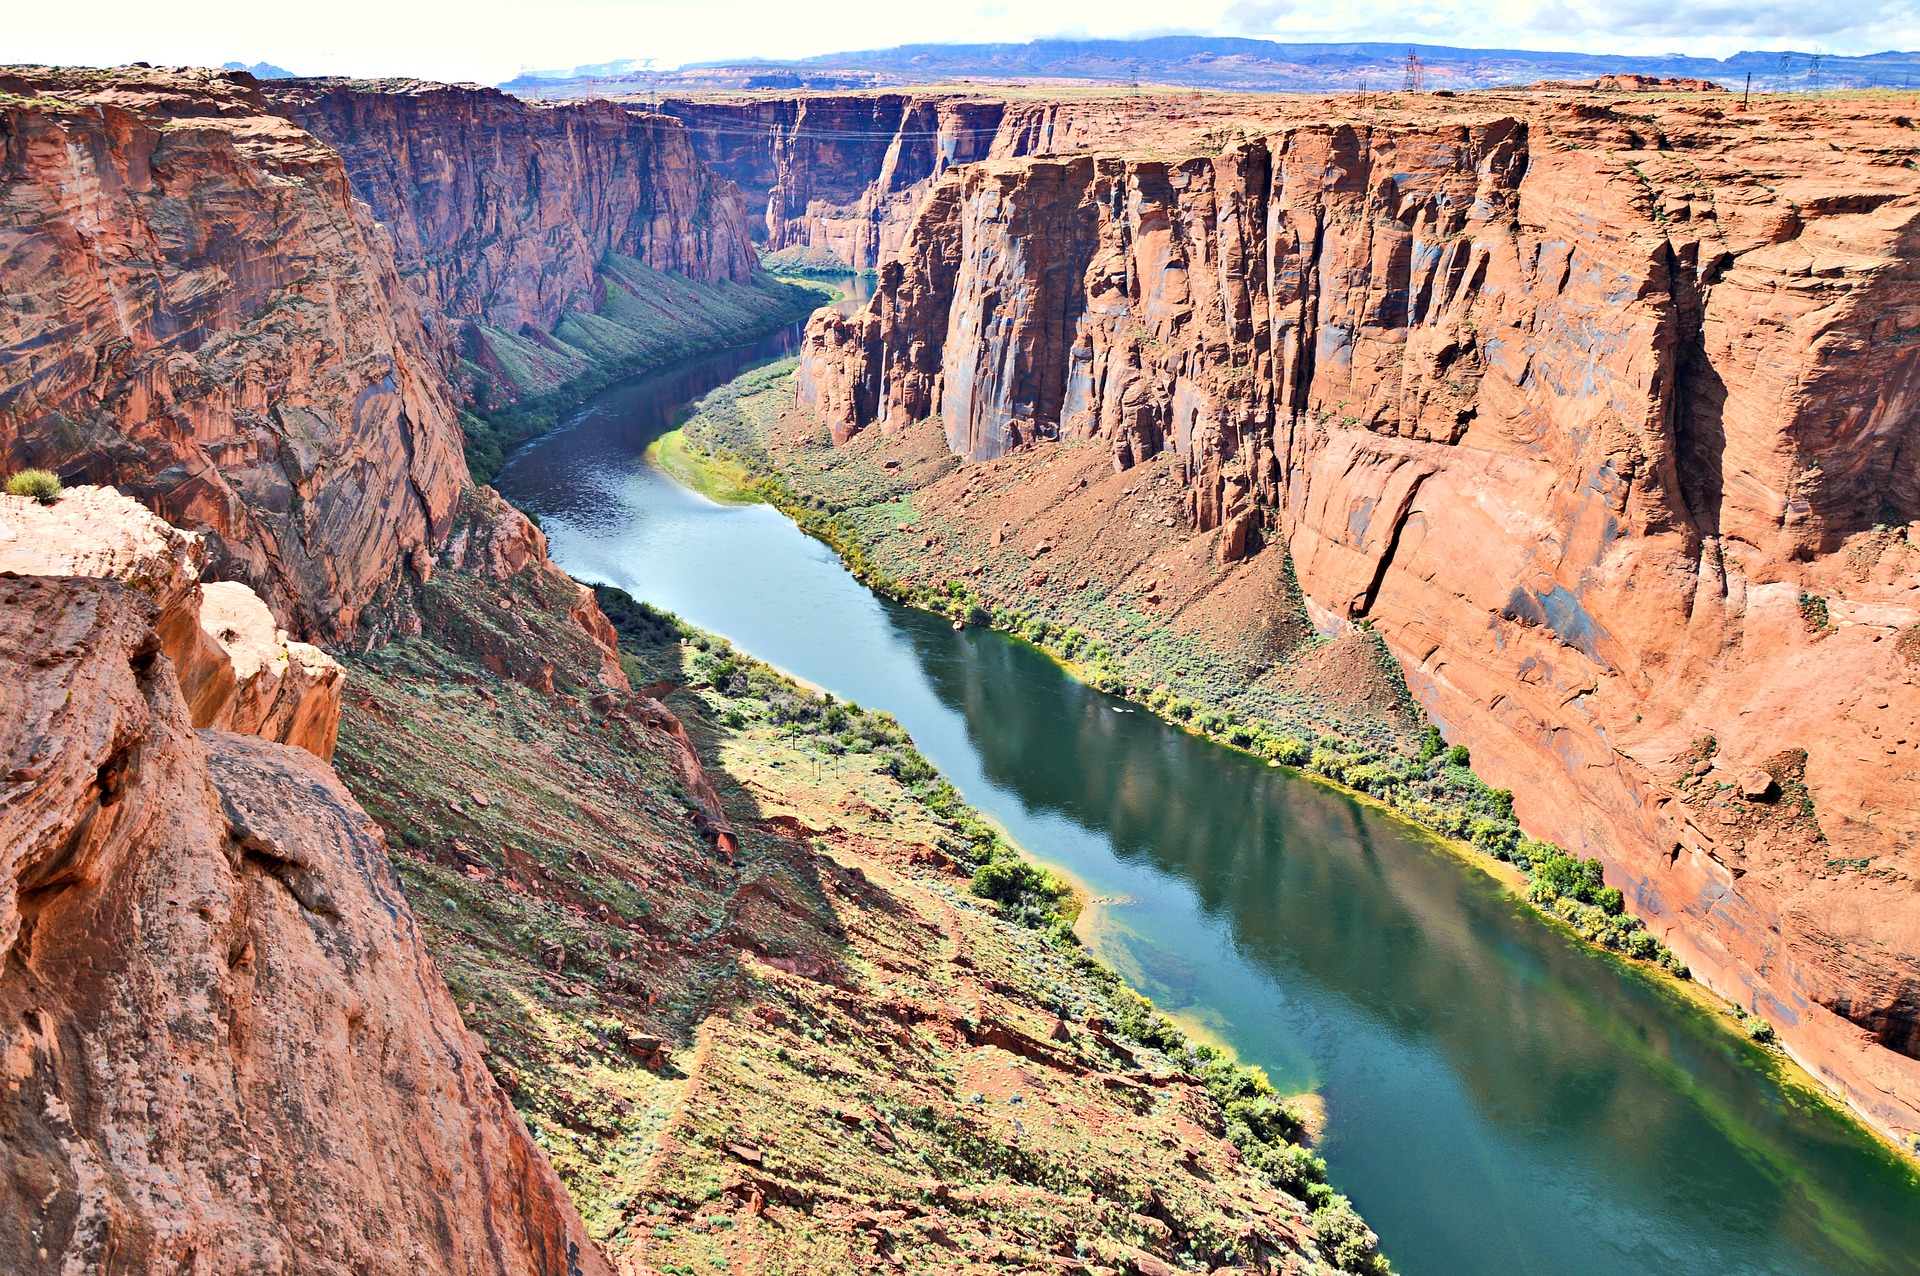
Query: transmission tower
(1416, 73)
(1813, 72)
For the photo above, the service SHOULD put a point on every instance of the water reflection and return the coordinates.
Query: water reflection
(1500, 1099)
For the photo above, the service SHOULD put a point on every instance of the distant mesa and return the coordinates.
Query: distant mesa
(1231, 63)
(261, 70)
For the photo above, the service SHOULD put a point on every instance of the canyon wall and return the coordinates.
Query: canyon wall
(1603, 414)
(226, 1047)
(501, 211)
(835, 180)
(198, 310)
(245, 309)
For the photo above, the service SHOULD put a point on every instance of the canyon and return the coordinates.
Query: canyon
(354, 856)
(1598, 410)
(540, 975)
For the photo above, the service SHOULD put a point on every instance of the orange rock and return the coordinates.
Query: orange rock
(1564, 401)
(161, 279)
(236, 668)
(216, 920)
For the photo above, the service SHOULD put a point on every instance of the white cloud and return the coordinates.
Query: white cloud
(491, 39)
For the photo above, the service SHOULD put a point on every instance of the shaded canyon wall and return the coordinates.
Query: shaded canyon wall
(254, 328)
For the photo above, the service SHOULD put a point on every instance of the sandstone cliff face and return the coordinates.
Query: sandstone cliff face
(236, 668)
(199, 311)
(837, 177)
(226, 1049)
(1604, 418)
(502, 210)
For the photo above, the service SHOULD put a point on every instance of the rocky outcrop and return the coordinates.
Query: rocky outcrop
(226, 1048)
(1603, 415)
(198, 311)
(283, 691)
(501, 210)
(237, 670)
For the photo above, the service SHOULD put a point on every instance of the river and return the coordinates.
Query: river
(1500, 1098)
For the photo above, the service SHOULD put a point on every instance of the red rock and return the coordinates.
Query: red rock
(1570, 420)
(216, 919)
(160, 274)
(236, 668)
(501, 210)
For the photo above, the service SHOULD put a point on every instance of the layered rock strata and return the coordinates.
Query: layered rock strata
(1602, 414)
(226, 1048)
(835, 180)
(501, 211)
(198, 310)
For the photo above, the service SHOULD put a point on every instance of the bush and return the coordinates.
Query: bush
(1345, 1241)
(41, 485)
(1288, 751)
(1458, 755)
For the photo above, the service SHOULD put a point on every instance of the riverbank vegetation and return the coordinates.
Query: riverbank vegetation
(724, 446)
(746, 696)
(752, 972)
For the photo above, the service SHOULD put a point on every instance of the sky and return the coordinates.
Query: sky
(492, 40)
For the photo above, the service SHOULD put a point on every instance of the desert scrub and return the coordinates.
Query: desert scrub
(41, 485)
(1266, 1130)
(1429, 782)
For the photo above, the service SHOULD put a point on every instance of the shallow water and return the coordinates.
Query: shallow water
(1500, 1098)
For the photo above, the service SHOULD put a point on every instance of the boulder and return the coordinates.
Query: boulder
(236, 669)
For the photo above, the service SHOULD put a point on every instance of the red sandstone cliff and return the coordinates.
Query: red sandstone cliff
(226, 1048)
(838, 178)
(501, 210)
(1603, 415)
(197, 310)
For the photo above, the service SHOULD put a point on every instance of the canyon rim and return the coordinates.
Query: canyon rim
(375, 895)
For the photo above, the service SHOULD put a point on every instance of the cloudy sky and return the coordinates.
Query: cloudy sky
(489, 40)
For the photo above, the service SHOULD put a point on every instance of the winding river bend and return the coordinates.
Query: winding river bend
(1500, 1099)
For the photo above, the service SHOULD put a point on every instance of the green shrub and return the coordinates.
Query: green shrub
(1345, 1241)
(1432, 745)
(41, 485)
(1459, 755)
(1288, 751)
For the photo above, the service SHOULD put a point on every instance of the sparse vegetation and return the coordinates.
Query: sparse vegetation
(520, 386)
(40, 485)
(1813, 612)
(1424, 779)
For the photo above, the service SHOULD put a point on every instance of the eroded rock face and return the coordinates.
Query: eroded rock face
(501, 210)
(837, 179)
(225, 1047)
(1604, 415)
(199, 311)
(236, 668)
(283, 691)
